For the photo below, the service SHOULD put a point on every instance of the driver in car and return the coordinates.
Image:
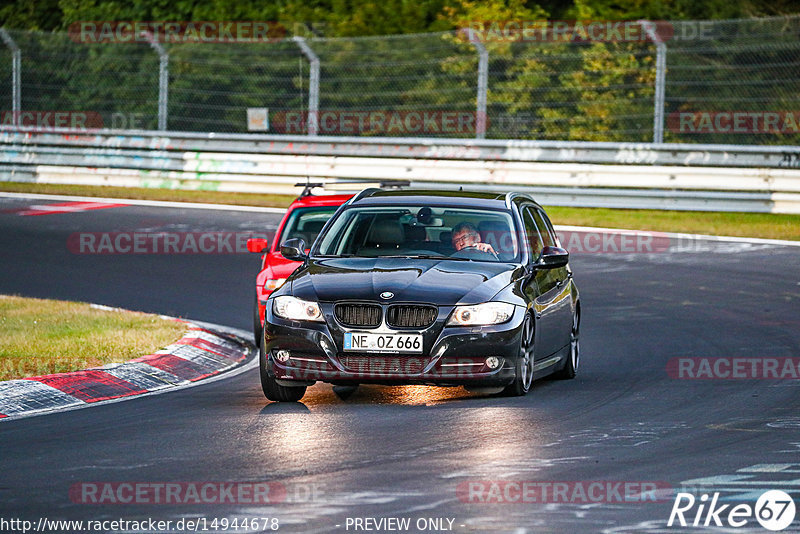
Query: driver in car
(466, 236)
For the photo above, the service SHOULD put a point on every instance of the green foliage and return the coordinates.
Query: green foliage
(31, 14)
(338, 18)
(347, 18)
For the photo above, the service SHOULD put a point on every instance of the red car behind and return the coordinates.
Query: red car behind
(303, 219)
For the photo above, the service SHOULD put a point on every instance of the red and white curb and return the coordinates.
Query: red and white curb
(203, 352)
(67, 207)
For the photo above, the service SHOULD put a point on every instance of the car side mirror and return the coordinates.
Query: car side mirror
(257, 245)
(552, 257)
(294, 250)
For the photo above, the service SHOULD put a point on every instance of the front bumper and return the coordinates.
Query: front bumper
(450, 356)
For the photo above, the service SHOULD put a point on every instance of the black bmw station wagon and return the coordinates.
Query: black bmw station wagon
(424, 287)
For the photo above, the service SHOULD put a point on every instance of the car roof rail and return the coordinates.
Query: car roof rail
(511, 195)
(509, 198)
(394, 184)
(307, 187)
(363, 193)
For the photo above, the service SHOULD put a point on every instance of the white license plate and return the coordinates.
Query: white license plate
(356, 341)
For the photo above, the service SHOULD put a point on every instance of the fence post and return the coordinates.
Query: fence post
(16, 76)
(661, 77)
(313, 84)
(483, 83)
(163, 79)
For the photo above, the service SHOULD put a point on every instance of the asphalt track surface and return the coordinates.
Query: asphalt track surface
(403, 451)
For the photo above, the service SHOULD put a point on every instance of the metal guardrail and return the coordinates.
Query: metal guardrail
(786, 157)
(664, 176)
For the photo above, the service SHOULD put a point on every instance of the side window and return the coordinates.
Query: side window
(532, 233)
(546, 230)
(306, 223)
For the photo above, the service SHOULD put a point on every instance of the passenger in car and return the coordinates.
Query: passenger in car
(465, 235)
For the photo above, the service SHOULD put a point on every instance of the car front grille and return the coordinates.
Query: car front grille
(355, 314)
(384, 365)
(411, 316)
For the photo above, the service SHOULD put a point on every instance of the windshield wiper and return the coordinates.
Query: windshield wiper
(423, 257)
(443, 258)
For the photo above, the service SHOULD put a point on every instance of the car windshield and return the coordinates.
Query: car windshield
(421, 231)
(306, 223)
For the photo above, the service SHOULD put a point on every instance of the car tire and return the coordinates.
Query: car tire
(272, 390)
(574, 357)
(523, 378)
(258, 328)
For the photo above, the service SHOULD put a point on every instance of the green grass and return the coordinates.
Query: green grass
(764, 225)
(39, 337)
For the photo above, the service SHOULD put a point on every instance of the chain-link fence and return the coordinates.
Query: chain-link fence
(746, 71)
(701, 82)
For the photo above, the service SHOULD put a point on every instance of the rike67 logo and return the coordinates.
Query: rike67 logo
(774, 510)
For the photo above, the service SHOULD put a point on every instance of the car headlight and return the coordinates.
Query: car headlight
(274, 283)
(481, 314)
(296, 309)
